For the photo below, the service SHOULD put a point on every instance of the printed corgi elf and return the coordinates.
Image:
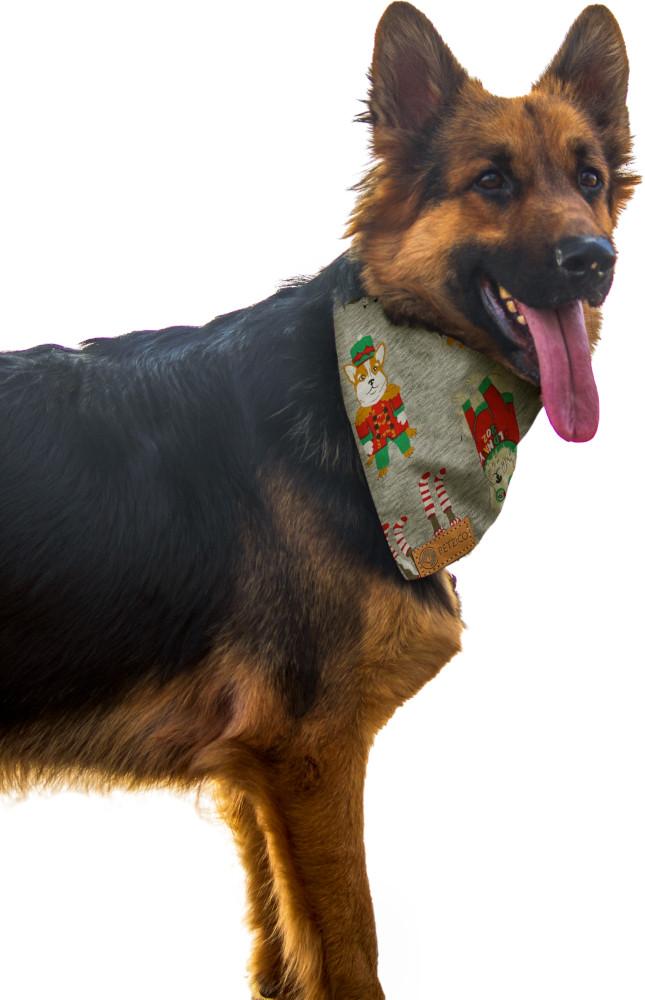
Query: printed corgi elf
(381, 417)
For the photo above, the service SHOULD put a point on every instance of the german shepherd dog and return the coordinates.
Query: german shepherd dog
(184, 516)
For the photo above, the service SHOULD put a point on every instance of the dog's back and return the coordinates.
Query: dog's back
(136, 470)
(118, 461)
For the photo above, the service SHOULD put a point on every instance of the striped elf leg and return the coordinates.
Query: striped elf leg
(428, 502)
(386, 529)
(442, 496)
(401, 540)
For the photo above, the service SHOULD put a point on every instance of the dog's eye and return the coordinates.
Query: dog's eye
(490, 180)
(589, 178)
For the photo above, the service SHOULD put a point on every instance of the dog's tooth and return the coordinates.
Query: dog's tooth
(504, 293)
(510, 305)
(521, 319)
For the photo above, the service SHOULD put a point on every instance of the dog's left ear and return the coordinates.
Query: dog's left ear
(591, 69)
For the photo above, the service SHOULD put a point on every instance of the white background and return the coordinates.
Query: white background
(161, 163)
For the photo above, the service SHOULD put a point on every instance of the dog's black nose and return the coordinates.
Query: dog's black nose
(585, 256)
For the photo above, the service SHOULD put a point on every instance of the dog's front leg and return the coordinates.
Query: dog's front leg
(266, 965)
(312, 898)
(313, 822)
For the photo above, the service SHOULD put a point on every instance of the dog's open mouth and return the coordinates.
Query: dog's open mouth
(554, 350)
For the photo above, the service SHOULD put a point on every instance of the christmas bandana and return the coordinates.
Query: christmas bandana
(437, 426)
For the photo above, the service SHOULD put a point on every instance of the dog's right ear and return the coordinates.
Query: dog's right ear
(414, 74)
(350, 371)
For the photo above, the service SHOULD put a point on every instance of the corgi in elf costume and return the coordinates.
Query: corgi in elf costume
(381, 417)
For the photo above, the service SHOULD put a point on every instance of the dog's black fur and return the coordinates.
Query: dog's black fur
(129, 470)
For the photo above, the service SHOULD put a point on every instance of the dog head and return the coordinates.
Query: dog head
(491, 218)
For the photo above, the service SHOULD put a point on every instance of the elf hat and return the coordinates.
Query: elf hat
(362, 350)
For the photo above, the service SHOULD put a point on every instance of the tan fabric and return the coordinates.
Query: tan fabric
(437, 426)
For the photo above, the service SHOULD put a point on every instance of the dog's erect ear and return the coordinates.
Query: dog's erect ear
(414, 74)
(350, 371)
(591, 69)
(380, 353)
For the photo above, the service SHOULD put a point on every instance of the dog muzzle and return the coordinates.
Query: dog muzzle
(437, 427)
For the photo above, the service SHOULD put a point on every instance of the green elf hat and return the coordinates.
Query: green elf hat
(362, 350)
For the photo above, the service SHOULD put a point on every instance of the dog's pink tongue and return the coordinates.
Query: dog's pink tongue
(569, 390)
